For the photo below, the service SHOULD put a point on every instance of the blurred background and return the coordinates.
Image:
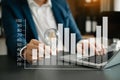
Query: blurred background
(87, 14)
(3, 50)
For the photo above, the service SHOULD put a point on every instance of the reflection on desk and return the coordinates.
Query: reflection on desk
(9, 70)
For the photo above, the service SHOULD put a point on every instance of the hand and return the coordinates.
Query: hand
(27, 54)
(99, 48)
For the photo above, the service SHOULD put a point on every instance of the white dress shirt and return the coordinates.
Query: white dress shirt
(43, 17)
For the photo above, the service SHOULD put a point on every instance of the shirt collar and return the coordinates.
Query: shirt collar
(46, 4)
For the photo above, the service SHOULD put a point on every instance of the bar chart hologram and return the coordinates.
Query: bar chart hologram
(65, 45)
(105, 32)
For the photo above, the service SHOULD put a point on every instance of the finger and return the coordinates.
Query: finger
(35, 42)
(92, 49)
(27, 53)
(80, 48)
(57, 51)
(92, 45)
(28, 57)
(82, 44)
(29, 49)
(104, 50)
(24, 53)
(99, 49)
(31, 46)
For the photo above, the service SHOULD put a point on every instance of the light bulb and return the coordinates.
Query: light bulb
(88, 1)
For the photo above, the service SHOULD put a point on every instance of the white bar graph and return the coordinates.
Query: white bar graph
(53, 51)
(79, 50)
(73, 43)
(105, 32)
(79, 53)
(66, 39)
(47, 55)
(53, 48)
(47, 51)
(98, 38)
(41, 50)
(92, 46)
(60, 42)
(41, 53)
(34, 56)
(85, 48)
(60, 37)
(65, 43)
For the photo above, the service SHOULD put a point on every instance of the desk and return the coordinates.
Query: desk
(9, 71)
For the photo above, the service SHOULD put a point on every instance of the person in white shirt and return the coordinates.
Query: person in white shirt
(41, 15)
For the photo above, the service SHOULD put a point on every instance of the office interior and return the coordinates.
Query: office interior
(86, 12)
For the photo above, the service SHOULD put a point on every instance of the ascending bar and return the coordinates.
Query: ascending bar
(34, 56)
(85, 48)
(73, 46)
(98, 38)
(79, 50)
(79, 53)
(41, 53)
(47, 55)
(60, 43)
(105, 32)
(66, 43)
(92, 46)
(66, 39)
(53, 42)
(92, 50)
(41, 50)
(47, 51)
(54, 51)
(73, 43)
(98, 43)
(60, 37)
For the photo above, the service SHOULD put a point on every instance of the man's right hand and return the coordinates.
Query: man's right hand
(27, 54)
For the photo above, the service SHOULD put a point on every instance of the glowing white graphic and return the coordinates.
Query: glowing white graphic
(60, 37)
(92, 46)
(47, 51)
(34, 56)
(85, 48)
(66, 39)
(98, 37)
(105, 32)
(41, 50)
(53, 46)
(73, 43)
(63, 40)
